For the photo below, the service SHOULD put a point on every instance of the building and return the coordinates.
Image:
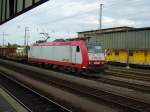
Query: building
(119, 37)
(123, 44)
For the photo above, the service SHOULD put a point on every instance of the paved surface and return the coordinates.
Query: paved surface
(8, 104)
(4, 105)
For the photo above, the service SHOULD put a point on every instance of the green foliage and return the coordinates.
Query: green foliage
(13, 45)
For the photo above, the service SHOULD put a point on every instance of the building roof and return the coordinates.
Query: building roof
(110, 29)
(115, 29)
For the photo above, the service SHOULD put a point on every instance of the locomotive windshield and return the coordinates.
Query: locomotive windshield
(94, 48)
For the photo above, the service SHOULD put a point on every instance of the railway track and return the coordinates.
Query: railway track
(143, 72)
(107, 80)
(130, 69)
(126, 74)
(128, 104)
(127, 84)
(137, 87)
(130, 75)
(31, 100)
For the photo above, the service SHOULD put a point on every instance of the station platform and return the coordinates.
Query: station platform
(9, 104)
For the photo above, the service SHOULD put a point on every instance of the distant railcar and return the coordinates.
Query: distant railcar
(73, 54)
(5, 51)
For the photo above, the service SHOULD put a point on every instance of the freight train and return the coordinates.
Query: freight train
(77, 56)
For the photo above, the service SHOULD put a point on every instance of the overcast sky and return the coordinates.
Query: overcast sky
(63, 18)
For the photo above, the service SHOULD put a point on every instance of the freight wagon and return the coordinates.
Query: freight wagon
(134, 57)
(5, 51)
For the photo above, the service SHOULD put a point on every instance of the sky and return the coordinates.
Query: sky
(64, 18)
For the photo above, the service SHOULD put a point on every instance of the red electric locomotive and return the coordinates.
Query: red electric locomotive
(77, 55)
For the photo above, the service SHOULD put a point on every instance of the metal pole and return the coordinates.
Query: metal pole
(28, 36)
(128, 51)
(101, 14)
(25, 36)
(4, 38)
(100, 20)
(26, 39)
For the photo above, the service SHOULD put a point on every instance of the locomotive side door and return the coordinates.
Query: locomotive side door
(73, 54)
(76, 55)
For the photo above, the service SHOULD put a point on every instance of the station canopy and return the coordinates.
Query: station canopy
(12, 8)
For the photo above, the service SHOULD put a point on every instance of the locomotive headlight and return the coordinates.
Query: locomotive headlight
(102, 62)
(91, 62)
(96, 63)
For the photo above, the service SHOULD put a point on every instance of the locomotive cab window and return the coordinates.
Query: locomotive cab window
(78, 49)
(94, 48)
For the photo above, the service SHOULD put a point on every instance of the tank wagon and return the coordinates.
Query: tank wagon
(73, 55)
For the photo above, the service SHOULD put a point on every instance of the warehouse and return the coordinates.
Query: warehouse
(123, 44)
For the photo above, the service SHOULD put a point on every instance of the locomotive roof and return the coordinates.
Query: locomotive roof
(58, 43)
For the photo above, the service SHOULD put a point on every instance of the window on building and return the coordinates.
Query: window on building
(145, 54)
(130, 53)
(116, 53)
(108, 54)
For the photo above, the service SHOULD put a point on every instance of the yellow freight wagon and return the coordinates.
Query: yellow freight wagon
(110, 55)
(138, 57)
(116, 56)
(147, 54)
